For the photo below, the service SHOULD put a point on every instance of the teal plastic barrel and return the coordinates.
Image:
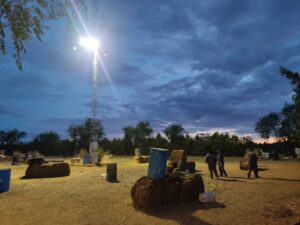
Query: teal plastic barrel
(86, 159)
(4, 180)
(157, 163)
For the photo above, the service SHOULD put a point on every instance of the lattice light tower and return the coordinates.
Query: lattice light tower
(94, 109)
(93, 44)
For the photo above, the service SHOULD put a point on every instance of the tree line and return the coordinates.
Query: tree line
(139, 136)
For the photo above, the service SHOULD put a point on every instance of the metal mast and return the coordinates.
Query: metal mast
(94, 107)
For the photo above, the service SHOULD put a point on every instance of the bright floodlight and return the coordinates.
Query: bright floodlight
(89, 43)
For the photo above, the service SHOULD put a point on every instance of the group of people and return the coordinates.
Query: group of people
(213, 160)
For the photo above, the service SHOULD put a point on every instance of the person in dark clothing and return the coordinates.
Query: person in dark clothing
(220, 158)
(252, 161)
(211, 160)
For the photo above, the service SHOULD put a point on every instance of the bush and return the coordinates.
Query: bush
(100, 152)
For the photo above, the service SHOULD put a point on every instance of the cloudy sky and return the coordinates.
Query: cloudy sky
(208, 65)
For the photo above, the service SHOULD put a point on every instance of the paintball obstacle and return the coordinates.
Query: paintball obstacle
(150, 194)
(178, 162)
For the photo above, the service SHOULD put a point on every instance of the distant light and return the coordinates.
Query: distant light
(89, 43)
(105, 53)
(74, 48)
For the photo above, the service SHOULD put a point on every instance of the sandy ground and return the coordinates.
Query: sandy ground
(85, 198)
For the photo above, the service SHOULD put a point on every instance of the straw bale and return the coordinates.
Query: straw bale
(178, 155)
(36, 161)
(244, 164)
(149, 194)
(4, 158)
(191, 187)
(143, 159)
(17, 153)
(45, 171)
(75, 160)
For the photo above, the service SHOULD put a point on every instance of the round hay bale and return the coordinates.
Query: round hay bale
(148, 194)
(55, 170)
(191, 187)
(244, 164)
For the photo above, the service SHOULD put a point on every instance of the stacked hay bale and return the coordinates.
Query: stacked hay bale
(4, 158)
(75, 161)
(178, 162)
(149, 194)
(140, 158)
(33, 154)
(107, 157)
(46, 171)
(17, 158)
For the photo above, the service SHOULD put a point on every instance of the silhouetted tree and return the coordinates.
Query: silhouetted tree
(294, 77)
(11, 138)
(81, 133)
(128, 140)
(175, 134)
(138, 136)
(267, 125)
(47, 143)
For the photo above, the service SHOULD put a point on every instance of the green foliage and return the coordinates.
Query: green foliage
(26, 19)
(81, 133)
(294, 78)
(100, 153)
(138, 136)
(267, 125)
(174, 132)
(11, 138)
(47, 143)
(286, 124)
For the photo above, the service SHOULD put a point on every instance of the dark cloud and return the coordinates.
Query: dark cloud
(209, 65)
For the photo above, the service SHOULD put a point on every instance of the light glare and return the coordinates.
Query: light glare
(89, 43)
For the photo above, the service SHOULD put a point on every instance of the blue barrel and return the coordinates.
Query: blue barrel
(4, 180)
(86, 159)
(157, 163)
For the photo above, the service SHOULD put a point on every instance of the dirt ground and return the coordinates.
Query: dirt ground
(86, 198)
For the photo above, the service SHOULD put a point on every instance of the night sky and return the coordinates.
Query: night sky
(208, 65)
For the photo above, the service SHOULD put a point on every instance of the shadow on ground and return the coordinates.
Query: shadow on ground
(268, 178)
(183, 213)
(230, 180)
(262, 169)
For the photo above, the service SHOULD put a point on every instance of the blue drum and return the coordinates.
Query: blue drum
(4, 180)
(157, 163)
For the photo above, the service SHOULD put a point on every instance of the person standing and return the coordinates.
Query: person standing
(211, 160)
(252, 161)
(221, 162)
